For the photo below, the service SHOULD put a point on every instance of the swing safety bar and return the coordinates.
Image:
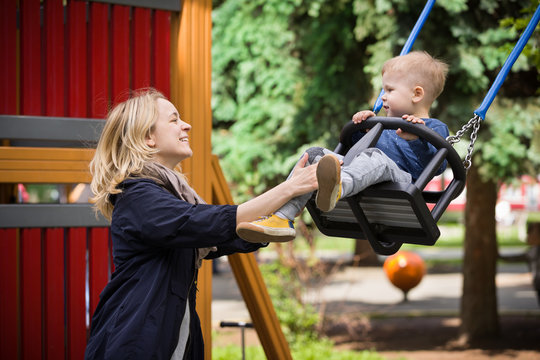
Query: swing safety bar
(408, 45)
(482, 110)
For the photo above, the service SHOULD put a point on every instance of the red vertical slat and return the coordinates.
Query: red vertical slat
(77, 60)
(9, 328)
(31, 77)
(54, 337)
(54, 58)
(161, 61)
(120, 51)
(99, 59)
(75, 292)
(141, 47)
(31, 295)
(8, 56)
(98, 261)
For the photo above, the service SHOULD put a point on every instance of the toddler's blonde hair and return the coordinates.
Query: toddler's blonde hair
(421, 69)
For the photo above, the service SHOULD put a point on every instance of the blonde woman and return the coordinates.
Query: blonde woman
(161, 230)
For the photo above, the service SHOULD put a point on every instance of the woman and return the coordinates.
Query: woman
(161, 230)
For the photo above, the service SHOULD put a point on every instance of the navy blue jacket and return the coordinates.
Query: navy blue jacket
(411, 156)
(154, 236)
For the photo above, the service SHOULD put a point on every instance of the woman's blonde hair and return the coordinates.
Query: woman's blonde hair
(420, 69)
(122, 150)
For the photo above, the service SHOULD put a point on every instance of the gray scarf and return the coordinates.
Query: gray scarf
(178, 186)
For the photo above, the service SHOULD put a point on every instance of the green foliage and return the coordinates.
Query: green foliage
(506, 147)
(298, 319)
(287, 74)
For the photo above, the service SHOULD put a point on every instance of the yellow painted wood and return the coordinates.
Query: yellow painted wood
(44, 177)
(191, 39)
(252, 286)
(44, 165)
(32, 153)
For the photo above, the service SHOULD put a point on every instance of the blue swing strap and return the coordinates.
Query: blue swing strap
(480, 113)
(408, 44)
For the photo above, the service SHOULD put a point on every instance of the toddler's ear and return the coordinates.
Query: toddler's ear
(418, 94)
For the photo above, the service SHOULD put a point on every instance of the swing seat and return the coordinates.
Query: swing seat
(390, 214)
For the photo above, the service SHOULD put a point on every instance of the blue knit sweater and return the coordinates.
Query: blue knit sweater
(411, 156)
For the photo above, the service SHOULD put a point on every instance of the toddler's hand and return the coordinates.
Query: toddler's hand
(408, 136)
(362, 115)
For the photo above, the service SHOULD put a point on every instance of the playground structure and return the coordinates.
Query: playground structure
(63, 65)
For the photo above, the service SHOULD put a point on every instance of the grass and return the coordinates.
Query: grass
(452, 236)
(309, 351)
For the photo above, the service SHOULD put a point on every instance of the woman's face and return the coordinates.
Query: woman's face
(169, 136)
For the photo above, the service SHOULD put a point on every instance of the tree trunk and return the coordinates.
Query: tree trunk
(479, 317)
(364, 254)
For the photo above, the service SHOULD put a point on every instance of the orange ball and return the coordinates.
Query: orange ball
(404, 270)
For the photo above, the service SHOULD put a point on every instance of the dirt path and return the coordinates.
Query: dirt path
(435, 338)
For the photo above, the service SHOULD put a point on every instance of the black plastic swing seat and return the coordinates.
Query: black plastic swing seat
(391, 214)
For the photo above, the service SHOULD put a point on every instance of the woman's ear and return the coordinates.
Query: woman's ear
(149, 141)
(418, 94)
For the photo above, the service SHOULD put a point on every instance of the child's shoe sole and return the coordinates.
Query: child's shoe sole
(256, 234)
(329, 179)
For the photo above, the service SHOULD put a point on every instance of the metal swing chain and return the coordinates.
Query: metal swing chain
(475, 124)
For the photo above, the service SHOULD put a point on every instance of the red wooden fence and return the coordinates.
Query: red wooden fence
(72, 60)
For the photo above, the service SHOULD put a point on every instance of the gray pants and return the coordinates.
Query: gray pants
(369, 167)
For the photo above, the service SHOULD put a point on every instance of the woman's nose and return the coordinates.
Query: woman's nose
(186, 126)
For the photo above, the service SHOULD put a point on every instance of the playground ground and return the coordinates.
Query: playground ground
(364, 311)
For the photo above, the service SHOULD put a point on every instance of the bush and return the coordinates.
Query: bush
(298, 320)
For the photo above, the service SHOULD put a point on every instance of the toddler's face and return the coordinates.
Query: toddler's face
(398, 95)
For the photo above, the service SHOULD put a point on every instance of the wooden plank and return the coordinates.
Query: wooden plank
(120, 62)
(31, 76)
(77, 60)
(8, 56)
(141, 50)
(75, 292)
(44, 165)
(51, 131)
(31, 294)
(48, 165)
(99, 60)
(50, 216)
(161, 34)
(45, 177)
(54, 330)
(98, 258)
(9, 274)
(43, 154)
(54, 58)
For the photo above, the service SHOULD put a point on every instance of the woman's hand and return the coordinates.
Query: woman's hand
(303, 178)
(405, 135)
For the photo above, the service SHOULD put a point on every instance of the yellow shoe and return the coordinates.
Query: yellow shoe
(329, 179)
(267, 229)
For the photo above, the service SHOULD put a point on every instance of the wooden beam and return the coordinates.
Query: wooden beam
(44, 165)
(191, 38)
